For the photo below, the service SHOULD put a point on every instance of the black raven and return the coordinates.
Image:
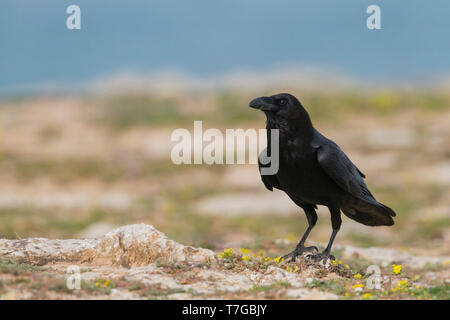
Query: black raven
(313, 171)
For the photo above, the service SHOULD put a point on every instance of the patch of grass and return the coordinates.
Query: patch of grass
(126, 111)
(107, 170)
(157, 291)
(61, 286)
(64, 170)
(18, 268)
(153, 291)
(358, 265)
(270, 287)
(365, 240)
(171, 267)
(433, 266)
(100, 286)
(278, 225)
(333, 286)
(326, 107)
(233, 108)
(29, 221)
(432, 229)
(441, 292)
(430, 292)
(205, 245)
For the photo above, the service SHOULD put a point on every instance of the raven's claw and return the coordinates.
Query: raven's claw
(324, 256)
(298, 251)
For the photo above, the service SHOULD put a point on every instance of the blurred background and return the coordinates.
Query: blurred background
(86, 115)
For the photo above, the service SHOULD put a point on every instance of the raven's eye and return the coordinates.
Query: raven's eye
(282, 102)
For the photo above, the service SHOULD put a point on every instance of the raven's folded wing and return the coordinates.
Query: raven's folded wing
(362, 207)
(340, 168)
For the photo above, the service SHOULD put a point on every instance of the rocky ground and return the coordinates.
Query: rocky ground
(140, 262)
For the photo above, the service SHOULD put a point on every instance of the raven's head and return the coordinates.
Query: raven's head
(282, 104)
(283, 111)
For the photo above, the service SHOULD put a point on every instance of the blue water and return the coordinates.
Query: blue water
(208, 37)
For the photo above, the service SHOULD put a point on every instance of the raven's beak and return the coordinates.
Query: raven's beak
(263, 104)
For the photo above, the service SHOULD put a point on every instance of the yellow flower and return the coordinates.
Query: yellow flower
(419, 298)
(347, 266)
(397, 269)
(366, 296)
(296, 269)
(288, 269)
(99, 282)
(260, 253)
(357, 276)
(446, 262)
(244, 251)
(346, 294)
(278, 259)
(359, 285)
(267, 259)
(246, 258)
(106, 283)
(227, 253)
(340, 262)
(334, 262)
(402, 283)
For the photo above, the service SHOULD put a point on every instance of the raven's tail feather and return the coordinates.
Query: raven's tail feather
(370, 213)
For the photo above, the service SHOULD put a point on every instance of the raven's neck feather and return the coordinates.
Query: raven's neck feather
(298, 128)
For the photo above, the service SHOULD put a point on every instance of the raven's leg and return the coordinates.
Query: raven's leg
(336, 222)
(311, 215)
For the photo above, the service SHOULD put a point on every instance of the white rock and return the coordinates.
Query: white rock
(142, 244)
(41, 250)
(297, 293)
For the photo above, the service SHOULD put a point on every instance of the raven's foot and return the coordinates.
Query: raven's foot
(324, 256)
(298, 251)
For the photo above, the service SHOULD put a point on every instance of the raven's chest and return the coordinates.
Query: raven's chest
(301, 176)
(295, 162)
